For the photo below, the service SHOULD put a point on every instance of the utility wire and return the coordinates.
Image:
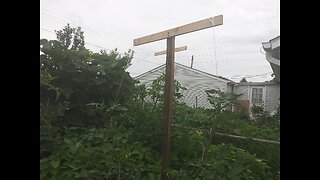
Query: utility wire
(109, 36)
(141, 59)
(109, 49)
(52, 14)
(62, 21)
(87, 30)
(250, 76)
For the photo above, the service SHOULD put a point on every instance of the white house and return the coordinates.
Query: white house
(194, 80)
(272, 49)
(266, 94)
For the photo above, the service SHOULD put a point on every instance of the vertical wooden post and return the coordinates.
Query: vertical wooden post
(168, 101)
(167, 113)
(191, 61)
(196, 101)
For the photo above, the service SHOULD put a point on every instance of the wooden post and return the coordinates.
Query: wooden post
(167, 113)
(175, 50)
(196, 101)
(191, 61)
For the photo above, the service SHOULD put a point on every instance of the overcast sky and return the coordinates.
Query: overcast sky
(109, 24)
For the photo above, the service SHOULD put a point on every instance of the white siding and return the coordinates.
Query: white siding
(244, 90)
(272, 98)
(230, 87)
(271, 95)
(147, 80)
(195, 82)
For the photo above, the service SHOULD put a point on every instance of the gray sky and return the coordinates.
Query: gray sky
(109, 24)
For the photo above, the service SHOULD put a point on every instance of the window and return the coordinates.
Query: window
(257, 96)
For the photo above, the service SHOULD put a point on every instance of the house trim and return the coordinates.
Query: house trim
(190, 69)
(263, 95)
(150, 71)
(272, 44)
(271, 59)
(205, 74)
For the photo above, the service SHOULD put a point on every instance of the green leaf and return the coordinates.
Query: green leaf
(124, 140)
(43, 174)
(78, 175)
(67, 92)
(55, 163)
(44, 164)
(151, 176)
(67, 141)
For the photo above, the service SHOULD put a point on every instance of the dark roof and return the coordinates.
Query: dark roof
(257, 83)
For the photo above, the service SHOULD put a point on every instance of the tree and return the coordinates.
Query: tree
(156, 90)
(96, 124)
(79, 87)
(82, 76)
(220, 100)
(243, 80)
(71, 36)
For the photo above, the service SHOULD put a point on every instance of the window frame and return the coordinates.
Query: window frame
(263, 98)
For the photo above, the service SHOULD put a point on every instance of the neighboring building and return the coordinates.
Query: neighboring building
(272, 49)
(266, 94)
(194, 80)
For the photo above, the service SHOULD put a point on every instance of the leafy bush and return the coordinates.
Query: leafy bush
(156, 91)
(96, 123)
(100, 154)
(221, 162)
(221, 100)
(78, 87)
(258, 112)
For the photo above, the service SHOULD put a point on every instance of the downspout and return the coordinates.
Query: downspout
(265, 100)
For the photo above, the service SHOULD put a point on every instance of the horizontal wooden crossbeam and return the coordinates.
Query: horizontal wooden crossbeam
(195, 26)
(175, 50)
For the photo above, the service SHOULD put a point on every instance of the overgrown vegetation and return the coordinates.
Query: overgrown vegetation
(96, 122)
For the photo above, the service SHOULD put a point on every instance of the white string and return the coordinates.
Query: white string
(121, 80)
(119, 87)
(214, 44)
